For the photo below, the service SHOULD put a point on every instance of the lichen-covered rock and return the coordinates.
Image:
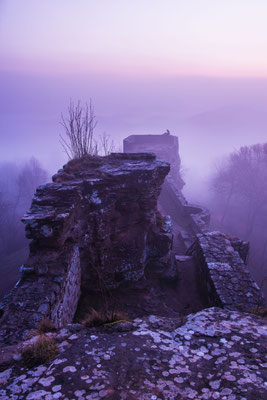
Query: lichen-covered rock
(214, 354)
(223, 274)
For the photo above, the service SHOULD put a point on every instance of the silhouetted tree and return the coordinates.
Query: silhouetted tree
(79, 129)
(106, 144)
(31, 175)
(243, 179)
(18, 184)
(240, 189)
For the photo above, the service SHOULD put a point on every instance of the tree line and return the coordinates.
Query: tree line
(18, 183)
(239, 204)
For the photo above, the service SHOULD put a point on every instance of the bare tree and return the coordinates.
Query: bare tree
(79, 129)
(17, 184)
(242, 180)
(240, 202)
(30, 176)
(106, 144)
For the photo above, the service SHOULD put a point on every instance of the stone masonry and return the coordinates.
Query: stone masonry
(171, 199)
(223, 274)
(220, 260)
(165, 146)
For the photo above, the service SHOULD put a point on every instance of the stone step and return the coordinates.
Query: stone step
(180, 259)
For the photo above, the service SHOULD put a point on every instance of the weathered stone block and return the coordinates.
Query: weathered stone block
(223, 275)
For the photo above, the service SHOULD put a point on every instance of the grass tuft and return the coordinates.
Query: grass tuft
(42, 350)
(96, 318)
(45, 326)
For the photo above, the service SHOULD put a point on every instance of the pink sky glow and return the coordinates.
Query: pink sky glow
(196, 67)
(165, 37)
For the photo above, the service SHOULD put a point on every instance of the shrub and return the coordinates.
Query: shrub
(96, 318)
(42, 350)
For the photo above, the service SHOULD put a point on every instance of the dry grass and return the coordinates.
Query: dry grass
(43, 350)
(260, 311)
(96, 318)
(45, 326)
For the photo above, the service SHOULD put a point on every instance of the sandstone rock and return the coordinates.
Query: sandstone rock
(223, 275)
(214, 354)
(94, 228)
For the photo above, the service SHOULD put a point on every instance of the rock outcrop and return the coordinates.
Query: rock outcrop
(214, 354)
(95, 227)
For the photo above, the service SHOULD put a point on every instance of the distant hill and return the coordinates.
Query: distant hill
(230, 118)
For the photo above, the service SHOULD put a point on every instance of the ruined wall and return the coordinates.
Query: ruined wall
(165, 146)
(193, 219)
(93, 228)
(223, 274)
(219, 259)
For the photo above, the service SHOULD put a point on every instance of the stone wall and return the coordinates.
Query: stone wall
(223, 275)
(171, 200)
(93, 228)
(219, 259)
(64, 307)
(165, 146)
(42, 293)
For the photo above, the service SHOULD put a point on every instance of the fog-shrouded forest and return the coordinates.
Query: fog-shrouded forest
(238, 203)
(18, 182)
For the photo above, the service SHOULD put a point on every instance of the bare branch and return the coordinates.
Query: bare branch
(79, 130)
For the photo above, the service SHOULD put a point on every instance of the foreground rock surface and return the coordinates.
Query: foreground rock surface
(214, 354)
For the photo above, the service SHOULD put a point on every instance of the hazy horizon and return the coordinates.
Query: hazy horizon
(211, 116)
(198, 69)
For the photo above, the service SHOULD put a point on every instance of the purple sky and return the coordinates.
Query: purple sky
(196, 67)
(199, 37)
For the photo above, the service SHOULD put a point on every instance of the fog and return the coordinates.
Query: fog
(211, 116)
(18, 182)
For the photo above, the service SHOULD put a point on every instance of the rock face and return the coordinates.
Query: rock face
(223, 275)
(214, 354)
(95, 227)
